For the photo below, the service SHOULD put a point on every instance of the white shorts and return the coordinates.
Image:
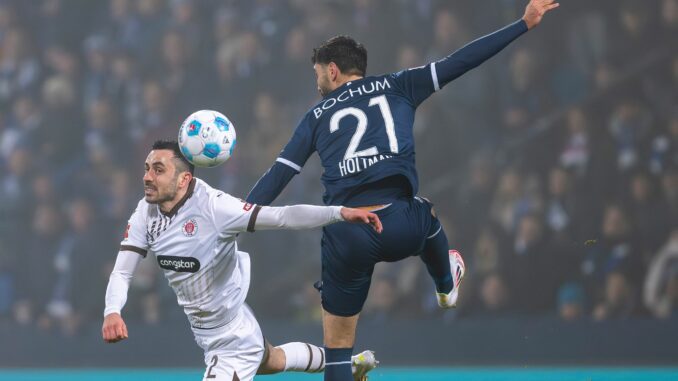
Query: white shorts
(234, 351)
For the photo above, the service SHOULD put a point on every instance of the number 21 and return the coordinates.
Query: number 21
(362, 126)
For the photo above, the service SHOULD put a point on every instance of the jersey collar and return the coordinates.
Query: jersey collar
(343, 87)
(189, 193)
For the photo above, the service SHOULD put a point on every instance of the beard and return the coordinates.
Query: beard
(324, 86)
(323, 91)
(165, 194)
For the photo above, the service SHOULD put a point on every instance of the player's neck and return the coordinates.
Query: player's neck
(171, 207)
(344, 79)
(167, 206)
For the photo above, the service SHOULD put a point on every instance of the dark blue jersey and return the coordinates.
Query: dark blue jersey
(363, 134)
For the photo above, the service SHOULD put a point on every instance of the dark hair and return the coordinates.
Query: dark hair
(348, 54)
(172, 145)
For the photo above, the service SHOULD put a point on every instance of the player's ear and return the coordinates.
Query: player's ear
(333, 71)
(186, 178)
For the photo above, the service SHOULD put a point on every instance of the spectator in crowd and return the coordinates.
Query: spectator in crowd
(648, 212)
(530, 263)
(620, 298)
(495, 297)
(19, 68)
(660, 294)
(38, 266)
(613, 266)
(571, 302)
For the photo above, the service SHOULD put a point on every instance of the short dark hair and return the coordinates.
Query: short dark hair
(173, 145)
(348, 54)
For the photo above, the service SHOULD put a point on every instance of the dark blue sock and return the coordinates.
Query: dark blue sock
(437, 259)
(338, 364)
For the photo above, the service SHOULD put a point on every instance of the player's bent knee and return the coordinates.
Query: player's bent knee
(273, 361)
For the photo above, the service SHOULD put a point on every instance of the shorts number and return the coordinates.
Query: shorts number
(362, 126)
(215, 359)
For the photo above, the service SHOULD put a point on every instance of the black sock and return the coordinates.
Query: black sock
(338, 364)
(437, 259)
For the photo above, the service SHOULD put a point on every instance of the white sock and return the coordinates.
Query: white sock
(303, 357)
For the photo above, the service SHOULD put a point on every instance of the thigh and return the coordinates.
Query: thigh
(349, 253)
(406, 229)
(233, 352)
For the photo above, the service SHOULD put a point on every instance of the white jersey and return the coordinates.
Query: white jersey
(195, 246)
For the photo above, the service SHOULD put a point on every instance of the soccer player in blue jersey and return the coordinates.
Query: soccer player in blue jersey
(362, 131)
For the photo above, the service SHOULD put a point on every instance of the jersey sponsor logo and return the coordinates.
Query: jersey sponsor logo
(247, 206)
(367, 88)
(190, 227)
(179, 264)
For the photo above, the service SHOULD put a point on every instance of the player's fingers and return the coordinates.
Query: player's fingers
(108, 334)
(125, 334)
(552, 6)
(376, 223)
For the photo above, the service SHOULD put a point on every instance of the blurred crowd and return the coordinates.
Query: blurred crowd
(554, 166)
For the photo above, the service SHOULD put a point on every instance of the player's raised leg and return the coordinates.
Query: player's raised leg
(445, 266)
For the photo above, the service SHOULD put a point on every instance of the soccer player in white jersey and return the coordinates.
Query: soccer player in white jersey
(191, 228)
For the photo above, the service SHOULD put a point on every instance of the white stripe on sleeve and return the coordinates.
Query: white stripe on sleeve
(289, 164)
(434, 76)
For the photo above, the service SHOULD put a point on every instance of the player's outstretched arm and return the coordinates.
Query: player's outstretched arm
(271, 184)
(535, 11)
(311, 216)
(480, 50)
(114, 328)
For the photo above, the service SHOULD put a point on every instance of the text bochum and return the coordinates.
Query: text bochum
(366, 88)
(353, 165)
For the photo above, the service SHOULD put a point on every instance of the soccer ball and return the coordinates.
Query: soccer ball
(207, 138)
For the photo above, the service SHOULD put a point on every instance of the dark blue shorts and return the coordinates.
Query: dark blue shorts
(350, 251)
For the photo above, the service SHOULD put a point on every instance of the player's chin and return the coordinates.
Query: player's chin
(151, 197)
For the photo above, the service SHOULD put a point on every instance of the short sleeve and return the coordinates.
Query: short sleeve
(232, 215)
(417, 83)
(134, 238)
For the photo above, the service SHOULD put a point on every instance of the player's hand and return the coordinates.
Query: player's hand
(114, 328)
(357, 216)
(536, 9)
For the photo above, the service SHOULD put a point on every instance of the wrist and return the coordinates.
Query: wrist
(338, 213)
(527, 25)
(111, 311)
